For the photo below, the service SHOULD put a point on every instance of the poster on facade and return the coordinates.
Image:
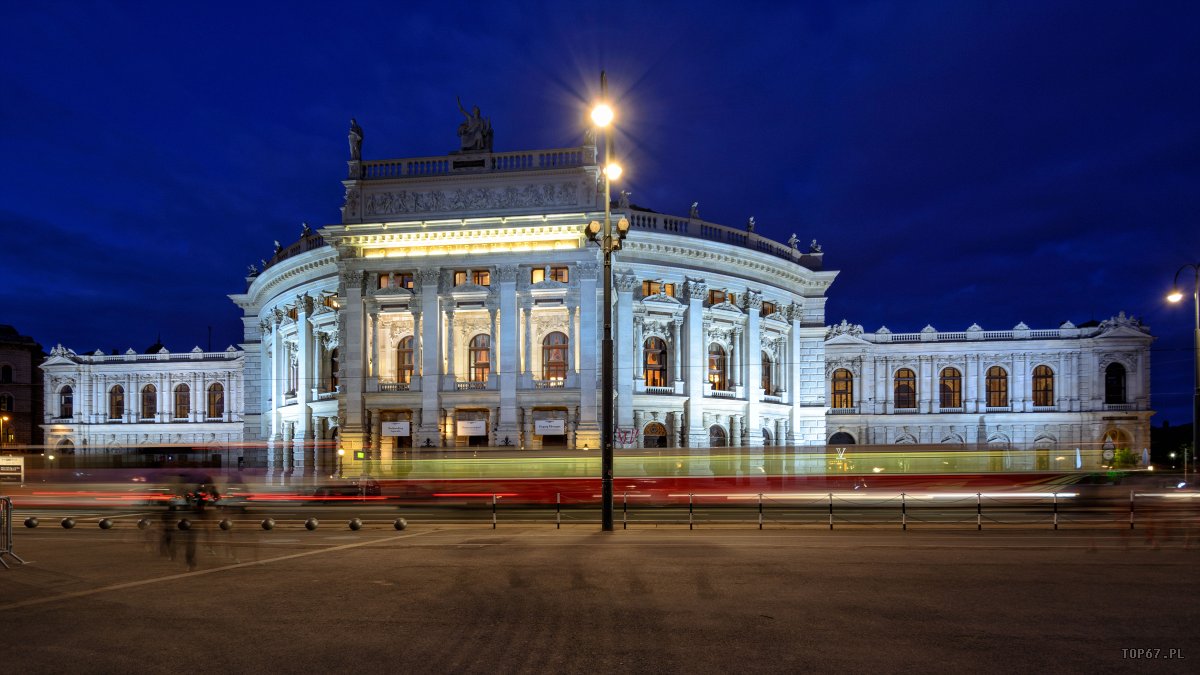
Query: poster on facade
(12, 469)
(472, 427)
(396, 428)
(549, 427)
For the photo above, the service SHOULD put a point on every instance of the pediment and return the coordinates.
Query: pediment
(663, 298)
(846, 339)
(1124, 332)
(727, 307)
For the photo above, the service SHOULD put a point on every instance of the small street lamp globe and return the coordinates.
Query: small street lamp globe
(341, 452)
(602, 115)
(613, 171)
(1175, 296)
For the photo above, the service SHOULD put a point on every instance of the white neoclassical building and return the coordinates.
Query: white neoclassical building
(97, 403)
(458, 303)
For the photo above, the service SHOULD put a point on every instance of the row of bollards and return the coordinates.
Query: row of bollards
(225, 524)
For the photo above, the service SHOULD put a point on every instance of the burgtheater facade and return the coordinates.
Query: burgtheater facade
(458, 304)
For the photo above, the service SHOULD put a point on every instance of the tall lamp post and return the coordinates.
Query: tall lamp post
(3, 438)
(1176, 296)
(603, 234)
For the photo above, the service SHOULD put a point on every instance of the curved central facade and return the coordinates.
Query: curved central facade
(458, 303)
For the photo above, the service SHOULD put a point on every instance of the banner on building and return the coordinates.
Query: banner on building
(12, 469)
(549, 427)
(396, 428)
(472, 427)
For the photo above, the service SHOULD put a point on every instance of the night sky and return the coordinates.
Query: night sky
(959, 162)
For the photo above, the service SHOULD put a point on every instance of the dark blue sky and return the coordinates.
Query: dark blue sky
(960, 162)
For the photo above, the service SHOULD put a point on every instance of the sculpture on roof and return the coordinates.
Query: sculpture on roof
(794, 242)
(694, 212)
(750, 224)
(623, 199)
(356, 138)
(475, 132)
(814, 247)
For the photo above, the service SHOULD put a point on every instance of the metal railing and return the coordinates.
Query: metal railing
(6, 533)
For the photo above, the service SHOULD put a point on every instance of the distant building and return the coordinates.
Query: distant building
(458, 303)
(98, 403)
(20, 389)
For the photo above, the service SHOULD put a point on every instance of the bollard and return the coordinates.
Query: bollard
(689, 510)
(760, 510)
(903, 513)
(31, 522)
(493, 510)
(311, 524)
(558, 510)
(1055, 495)
(355, 524)
(1131, 509)
(268, 523)
(105, 524)
(624, 510)
(225, 524)
(185, 524)
(400, 524)
(143, 523)
(68, 523)
(830, 510)
(978, 511)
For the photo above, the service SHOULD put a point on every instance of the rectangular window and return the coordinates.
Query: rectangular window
(655, 287)
(716, 297)
(460, 278)
(481, 278)
(405, 280)
(768, 308)
(539, 274)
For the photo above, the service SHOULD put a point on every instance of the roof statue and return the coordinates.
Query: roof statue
(814, 247)
(750, 224)
(623, 199)
(694, 212)
(356, 138)
(794, 242)
(475, 132)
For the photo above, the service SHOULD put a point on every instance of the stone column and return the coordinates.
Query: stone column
(351, 326)
(677, 348)
(451, 376)
(695, 290)
(527, 427)
(418, 346)
(305, 344)
(571, 343)
(735, 431)
(449, 431)
(527, 364)
(430, 354)
(737, 356)
(624, 348)
(639, 421)
(493, 337)
(754, 392)
(588, 431)
(509, 365)
(639, 340)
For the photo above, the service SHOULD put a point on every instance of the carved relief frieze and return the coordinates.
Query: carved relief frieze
(470, 199)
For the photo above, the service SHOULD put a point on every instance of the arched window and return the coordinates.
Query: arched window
(950, 388)
(6, 402)
(116, 402)
(66, 403)
(768, 383)
(906, 388)
(149, 402)
(479, 354)
(404, 360)
(334, 365)
(842, 388)
(1043, 386)
(655, 435)
(216, 400)
(997, 387)
(716, 437)
(654, 362)
(718, 366)
(183, 396)
(841, 438)
(1114, 383)
(554, 356)
(5, 374)
(766, 435)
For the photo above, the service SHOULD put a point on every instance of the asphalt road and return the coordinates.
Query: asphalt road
(442, 598)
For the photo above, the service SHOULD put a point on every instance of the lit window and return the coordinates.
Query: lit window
(216, 400)
(716, 297)
(477, 277)
(768, 384)
(769, 308)
(404, 360)
(950, 388)
(717, 367)
(183, 395)
(656, 287)
(554, 356)
(843, 388)
(149, 402)
(997, 387)
(334, 365)
(1043, 386)
(906, 389)
(654, 362)
(479, 353)
(539, 274)
(116, 402)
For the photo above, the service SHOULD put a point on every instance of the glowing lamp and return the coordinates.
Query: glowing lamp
(612, 170)
(602, 115)
(1175, 296)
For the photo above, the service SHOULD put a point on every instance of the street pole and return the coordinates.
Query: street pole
(606, 361)
(1176, 296)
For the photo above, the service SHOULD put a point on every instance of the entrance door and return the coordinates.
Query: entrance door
(655, 435)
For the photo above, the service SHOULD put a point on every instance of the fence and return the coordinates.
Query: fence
(6, 533)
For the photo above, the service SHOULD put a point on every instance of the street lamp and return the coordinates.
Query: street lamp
(602, 117)
(3, 438)
(1176, 296)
